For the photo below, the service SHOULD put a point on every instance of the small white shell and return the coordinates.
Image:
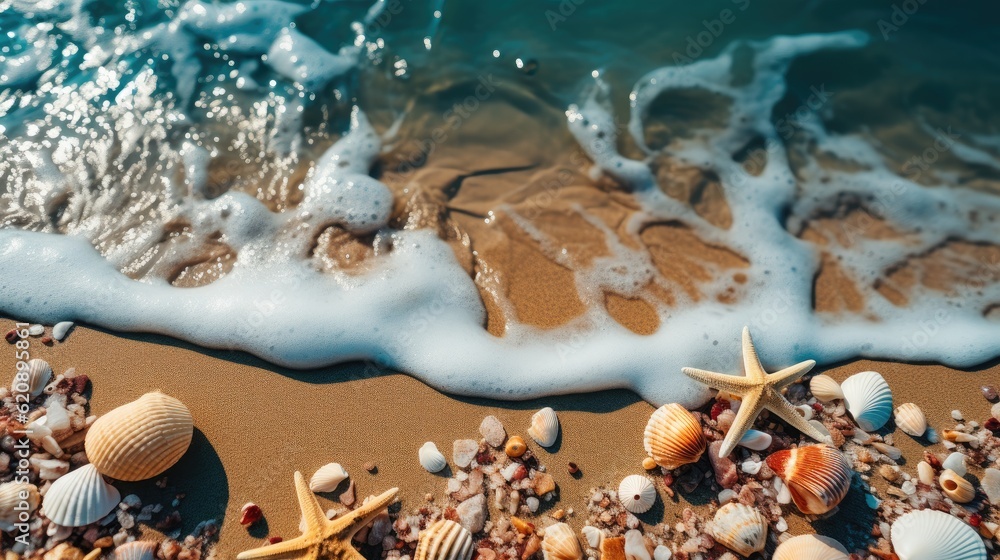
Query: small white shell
(636, 493)
(60, 330)
(740, 528)
(13, 494)
(955, 462)
(137, 550)
(756, 440)
(925, 473)
(911, 419)
(825, 388)
(79, 498)
(544, 427)
(810, 547)
(933, 535)
(327, 478)
(593, 535)
(444, 540)
(560, 543)
(869, 399)
(990, 484)
(635, 546)
(432, 459)
(33, 379)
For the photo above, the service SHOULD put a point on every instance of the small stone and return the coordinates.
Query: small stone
(781, 526)
(559, 514)
(472, 513)
(995, 411)
(727, 495)
(989, 393)
(371, 467)
(349, 496)
(751, 467)
(648, 463)
(35, 330)
(532, 503)
(909, 488)
(486, 554)
(464, 451)
(60, 330)
(12, 336)
(250, 513)
(635, 546)
(957, 415)
(573, 469)
(62, 551)
(889, 473)
(47, 340)
(104, 542)
(544, 483)
(725, 470)
(515, 447)
(131, 502)
(661, 553)
(492, 431)
(274, 540)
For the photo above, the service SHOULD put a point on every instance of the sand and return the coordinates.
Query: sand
(258, 423)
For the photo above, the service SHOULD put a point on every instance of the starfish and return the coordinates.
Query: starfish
(758, 390)
(323, 539)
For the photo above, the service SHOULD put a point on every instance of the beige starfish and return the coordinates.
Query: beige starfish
(758, 390)
(323, 539)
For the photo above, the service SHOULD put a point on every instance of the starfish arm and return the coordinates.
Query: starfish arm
(295, 548)
(311, 510)
(751, 362)
(355, 520)
(731, 383)
(789, 375)
(749, 409)
(784, 409)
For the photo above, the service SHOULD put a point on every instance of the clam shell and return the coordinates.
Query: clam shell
(12, 494)
(636, 493)
(431, 459)
(33, 379)
(141, 439)
(137, 550)
(544, 427)
(327, 478)
(79, 498)
(956, 487)
(825, 388)
(673, 437)
(933, 535)
(911, 419)
(810, 547)
(868, 399)
(560, 543)
(817, 476)
(990, 484)
(740, 528)
(444, 540)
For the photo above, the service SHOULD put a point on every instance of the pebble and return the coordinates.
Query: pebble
(648, 463)
(956, 414)
(60, 330)
(532, 503)
(989, 392)
(784, 494)
(781, 526)
(635, 546)
(727, 495)
(492, 431)
(472, 513)
(955, 462)
(995, 411)
(464, 451)
(909, 488)
(872, 501)
(370, 467)
(751, 467)
(661, 553)
(35, 330)
(573, 469)
(725, 469)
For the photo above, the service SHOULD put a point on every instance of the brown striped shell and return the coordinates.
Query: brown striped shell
(444, 540)
(673, 437)
(818, 476)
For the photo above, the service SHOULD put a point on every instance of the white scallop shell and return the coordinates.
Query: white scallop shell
(560, 543)
(911, 419)
(869, 399)
(33, 379)
(444, 540)
(327, 478)
(636, 493)
(544, 427)
(810, 547)
(137, 550)
(990, 484)
(933, 535)
(432, 459)
(79, 498)
(825, 388)
(756, 440)
(10, 497)
(740, 528)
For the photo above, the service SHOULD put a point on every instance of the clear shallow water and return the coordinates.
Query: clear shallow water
(196, 141)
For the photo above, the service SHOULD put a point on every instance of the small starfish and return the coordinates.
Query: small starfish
(758, 390)
(323, 538)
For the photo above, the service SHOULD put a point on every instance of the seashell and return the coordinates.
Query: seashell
(33, 379)
(593, 535)
(673, 437)
(137, 550)
(444, 540)
(868, 399)
(61, 329)
(825, 388)
(817, 476)
(925, 473)
(544, 427)
(79, 498)
(957, 436)
(990, 484)
(432, 459)
(995, 411)
(635, 546)
(956, 487)
(893, 453)
(14, 494)
(740, 528)
(955, 462)
(141, 439)
(560, 543)
(810, 547)
(805, 411)
(756, 440)
(933, 535)
(636, 493)
(911, 419)
(328, 477)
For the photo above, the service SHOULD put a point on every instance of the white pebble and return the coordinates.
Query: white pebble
(661, 553)
(781, 526)
(784, 494)
(955, 462)
(751, 467)
(35, 330)
(60, 330)
(726, 496)
(532, 504)
(956, 414)
(909, 488)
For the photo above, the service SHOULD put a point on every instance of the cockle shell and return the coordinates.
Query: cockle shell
(327, 478)
(869, 399)
(636, 493)
(911, 419)
(810, 547)
(141, 439)
(137, 550)
(825, 388)
(740, 528)
(431, 459)
(560, 543)
(14, 495)
(444, 540)
(817, 476)
(80, 498)
(33, 379)
(956, 487)
(673, 437)
(990, 483)
(544, 427)
(933, 535)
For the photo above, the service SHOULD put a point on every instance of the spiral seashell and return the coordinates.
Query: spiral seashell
(990, 483)
(431, 459)
(911, 419)
(673, 437)
(327, 478)
(956, 487)
(33, 379)
(869, 399)
(141, 439)
(79, 498)
(137, 550)
(810, 547)
(14, 494)
(544, 427)
(817, 476)
(825, 388)
(444, 540)
(560, 543)
(636, 493)
(933, 535)
(740, 528)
